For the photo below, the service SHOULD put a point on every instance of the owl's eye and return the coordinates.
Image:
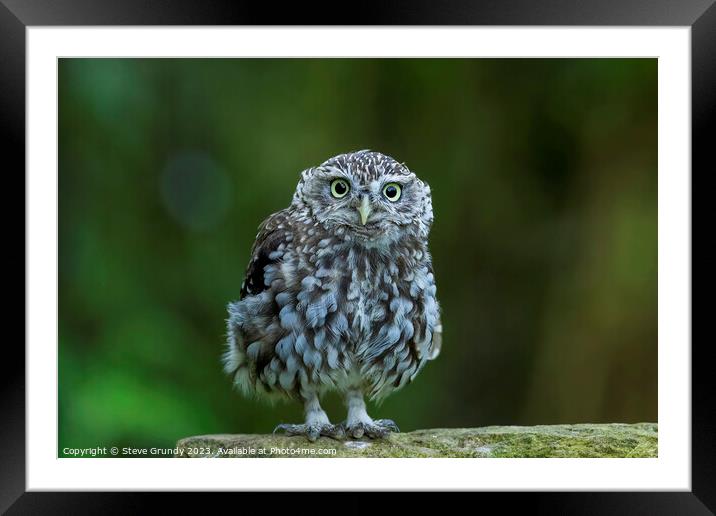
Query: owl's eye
(339, 188)
(392, 191)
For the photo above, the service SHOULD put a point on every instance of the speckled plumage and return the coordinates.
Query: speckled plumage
(334, 301)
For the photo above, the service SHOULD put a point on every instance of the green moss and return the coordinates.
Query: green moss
(586, 440)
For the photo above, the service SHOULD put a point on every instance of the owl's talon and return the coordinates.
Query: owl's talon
(378, 429)
(288, 429)
(388, 424)
(311, 432)
(338, 432)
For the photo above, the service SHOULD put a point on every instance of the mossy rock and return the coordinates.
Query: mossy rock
(585, 440)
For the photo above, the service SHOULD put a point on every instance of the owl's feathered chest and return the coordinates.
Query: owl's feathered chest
(382, 296)
(368, 282)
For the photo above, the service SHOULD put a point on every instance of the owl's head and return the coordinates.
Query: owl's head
(368, 194)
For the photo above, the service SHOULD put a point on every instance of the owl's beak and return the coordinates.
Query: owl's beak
(364, 209)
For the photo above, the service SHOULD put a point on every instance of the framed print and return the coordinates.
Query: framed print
(440, 250)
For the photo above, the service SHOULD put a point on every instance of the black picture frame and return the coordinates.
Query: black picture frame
(17, 15)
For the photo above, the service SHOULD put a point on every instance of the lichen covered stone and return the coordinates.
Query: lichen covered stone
(584, 440)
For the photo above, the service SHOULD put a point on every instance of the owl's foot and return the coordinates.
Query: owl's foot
(317, 423)
(375, 429)
(359, 423)
(312, 431)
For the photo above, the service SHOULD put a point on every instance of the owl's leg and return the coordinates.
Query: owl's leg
(317, 423)
(359, 423)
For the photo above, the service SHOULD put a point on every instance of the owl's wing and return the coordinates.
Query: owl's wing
(269, 237)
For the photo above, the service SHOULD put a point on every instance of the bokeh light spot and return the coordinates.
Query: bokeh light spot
(196, 192)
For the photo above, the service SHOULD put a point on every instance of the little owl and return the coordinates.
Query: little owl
(339, 294)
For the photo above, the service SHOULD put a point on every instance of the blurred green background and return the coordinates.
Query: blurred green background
(544, 180)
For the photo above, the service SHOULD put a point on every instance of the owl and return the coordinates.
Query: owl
(339, 295)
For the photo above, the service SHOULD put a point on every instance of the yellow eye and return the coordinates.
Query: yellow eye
(339, 188)
(392, 191)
